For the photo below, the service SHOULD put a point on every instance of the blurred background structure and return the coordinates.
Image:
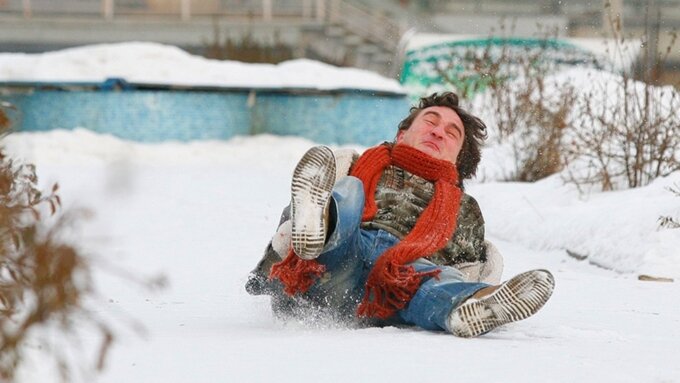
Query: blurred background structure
(366, 34)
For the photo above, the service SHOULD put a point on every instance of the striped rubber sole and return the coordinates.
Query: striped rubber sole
(313, 180)
(516, 299)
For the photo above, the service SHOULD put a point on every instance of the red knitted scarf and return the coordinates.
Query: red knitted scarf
(392, 282)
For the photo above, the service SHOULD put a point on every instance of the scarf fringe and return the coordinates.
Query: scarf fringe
(389, 288)
(297, 275)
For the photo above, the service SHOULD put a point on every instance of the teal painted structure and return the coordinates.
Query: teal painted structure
(344, 117)
(454, 64)
(157, 113)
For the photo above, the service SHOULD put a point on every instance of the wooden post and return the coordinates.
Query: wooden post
(613, 12)
(652, 18)
(107, 9)
(306, 9)
(267, 10)
(185, 10)
(320, 10)
(334, 11)
(26, 5)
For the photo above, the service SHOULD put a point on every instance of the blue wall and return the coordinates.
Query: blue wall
(145, 116)
(155, 115)
(349, 117)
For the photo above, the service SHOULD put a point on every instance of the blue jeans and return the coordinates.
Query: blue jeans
(350, 254)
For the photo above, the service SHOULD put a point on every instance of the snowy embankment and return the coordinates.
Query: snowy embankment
(615, 230)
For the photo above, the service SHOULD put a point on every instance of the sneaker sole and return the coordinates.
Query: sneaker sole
(516, 299)
(313, 180)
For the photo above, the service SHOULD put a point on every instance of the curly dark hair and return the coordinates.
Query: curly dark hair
(475, 130)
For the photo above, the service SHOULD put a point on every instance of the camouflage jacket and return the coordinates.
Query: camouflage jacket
(402, 196)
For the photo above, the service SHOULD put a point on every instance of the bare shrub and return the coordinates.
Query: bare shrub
(627, 132)
(529, 110)
(538, 149)
(42, 280)
(608, 130)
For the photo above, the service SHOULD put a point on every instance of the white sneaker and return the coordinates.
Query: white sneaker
(313, 180)
(516, 299)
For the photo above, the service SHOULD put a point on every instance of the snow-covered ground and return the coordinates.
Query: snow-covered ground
(201, 214)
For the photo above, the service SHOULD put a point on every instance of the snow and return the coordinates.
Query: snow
(152, 63)
(201, 213)
(616, 230)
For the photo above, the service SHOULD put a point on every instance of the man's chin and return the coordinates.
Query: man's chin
(432, 152)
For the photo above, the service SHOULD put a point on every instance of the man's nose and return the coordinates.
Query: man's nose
(437, 131)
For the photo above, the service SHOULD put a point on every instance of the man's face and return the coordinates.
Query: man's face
(437, 131)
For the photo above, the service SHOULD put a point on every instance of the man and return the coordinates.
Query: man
(389, 241)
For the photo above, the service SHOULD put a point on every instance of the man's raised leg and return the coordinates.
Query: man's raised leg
(311, 187)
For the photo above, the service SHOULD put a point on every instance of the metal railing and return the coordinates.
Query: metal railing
(337, 18)
(266, 10)
(367, 23)
(183, 9)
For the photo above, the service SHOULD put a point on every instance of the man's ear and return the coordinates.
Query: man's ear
(399, 137)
